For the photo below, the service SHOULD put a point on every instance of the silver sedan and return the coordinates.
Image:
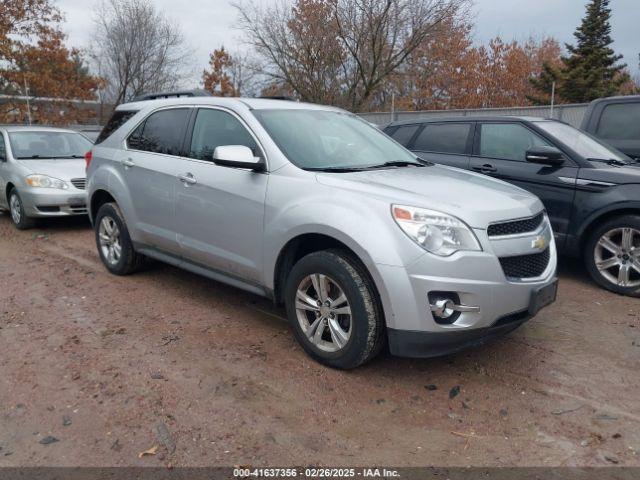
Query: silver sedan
(42, 173)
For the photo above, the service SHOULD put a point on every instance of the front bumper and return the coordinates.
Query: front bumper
(49, 202)
(478, 279)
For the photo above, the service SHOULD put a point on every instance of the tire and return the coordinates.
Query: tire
(612, 246)
(361, 333)
(16, 212)
(119, 261)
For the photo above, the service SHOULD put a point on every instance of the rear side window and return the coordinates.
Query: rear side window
(161, 132)
(508, 141)
(215, 128)
(118, 119)
(620, 121)
(3, 149)
(443, 138)
(403, 135)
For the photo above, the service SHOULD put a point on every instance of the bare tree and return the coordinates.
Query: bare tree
(341, 51)
(136, 49)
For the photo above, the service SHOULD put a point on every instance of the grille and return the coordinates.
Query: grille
(79, 183)
(515, 227)
(525, 266)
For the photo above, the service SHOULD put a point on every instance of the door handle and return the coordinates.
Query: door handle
(486, 168)
(127, 162)
(187, 178)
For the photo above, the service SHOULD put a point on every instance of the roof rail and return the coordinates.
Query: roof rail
(278, 97)
(171, 94)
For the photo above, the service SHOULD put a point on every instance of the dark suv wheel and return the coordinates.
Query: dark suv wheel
(612, 255)
(333, 309)
(114, 243)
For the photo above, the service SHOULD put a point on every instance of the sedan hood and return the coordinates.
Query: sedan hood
(63, 169)
(476, 199)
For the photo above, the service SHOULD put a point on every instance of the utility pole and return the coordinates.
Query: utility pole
(26, 93)
(393, 107)
(553, 96)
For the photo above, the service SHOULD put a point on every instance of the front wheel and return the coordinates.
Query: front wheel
(612, 255)
(334, 310)
(16, 208)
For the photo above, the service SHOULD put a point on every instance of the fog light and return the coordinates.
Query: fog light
(446, 307)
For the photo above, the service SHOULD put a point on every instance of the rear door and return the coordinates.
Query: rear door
(499, 151)
(619, 125)
(447, 143)
(148, 167)
(220, 210)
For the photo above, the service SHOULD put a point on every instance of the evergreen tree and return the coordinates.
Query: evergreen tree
(591, 69)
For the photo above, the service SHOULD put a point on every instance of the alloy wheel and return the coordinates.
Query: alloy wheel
(323, 312)
(15, 208)
(110, 244)
(617, 256)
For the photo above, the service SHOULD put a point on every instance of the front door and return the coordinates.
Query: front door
(500, 151)
(220, 210)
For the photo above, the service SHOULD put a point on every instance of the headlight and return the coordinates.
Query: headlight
(436, 232)
(44, 181)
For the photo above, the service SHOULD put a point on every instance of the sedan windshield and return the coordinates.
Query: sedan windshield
(584, 145)
(326, 140)
(35, 144)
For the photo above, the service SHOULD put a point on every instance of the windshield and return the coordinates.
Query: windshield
(583, 144)
(33, 145)
(317, 140)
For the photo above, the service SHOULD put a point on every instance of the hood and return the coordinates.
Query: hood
(602, 172)
(63, 169)
(476, 199)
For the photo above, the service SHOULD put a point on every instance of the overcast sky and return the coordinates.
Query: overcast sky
(207, 24)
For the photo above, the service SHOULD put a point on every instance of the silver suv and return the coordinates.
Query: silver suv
(42, 173)
(365, 244)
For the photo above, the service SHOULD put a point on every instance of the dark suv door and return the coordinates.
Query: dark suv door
(447, 143)
(499, 151)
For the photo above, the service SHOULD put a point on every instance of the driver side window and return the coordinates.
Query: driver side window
(508, 141)
(215, 128)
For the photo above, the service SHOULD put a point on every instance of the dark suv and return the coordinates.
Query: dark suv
(591, 190)
(616, 120)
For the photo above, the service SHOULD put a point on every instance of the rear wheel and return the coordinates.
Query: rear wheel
(114, 243)
(333, 309)
(612, 255)
(16, 209)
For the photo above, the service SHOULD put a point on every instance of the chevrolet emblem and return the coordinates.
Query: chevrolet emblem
(540, 243)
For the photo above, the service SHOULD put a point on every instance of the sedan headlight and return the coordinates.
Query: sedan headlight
(44, 181)
(436, 232)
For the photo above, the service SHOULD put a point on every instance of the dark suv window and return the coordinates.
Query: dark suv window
(161, 132)
(404, 134)
(620, 121)
(443, 138)
(118, 119)
(507, 141)
(214, 128)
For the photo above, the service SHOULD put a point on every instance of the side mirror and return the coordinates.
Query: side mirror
(545, 155)
(237, 156)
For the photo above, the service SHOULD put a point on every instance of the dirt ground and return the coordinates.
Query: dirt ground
(95, 369)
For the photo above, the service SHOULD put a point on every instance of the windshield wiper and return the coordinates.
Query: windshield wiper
(337, 169)
(399, 163)
(609, 161)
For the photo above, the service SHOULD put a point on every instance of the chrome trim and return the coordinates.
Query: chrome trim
(593, 183)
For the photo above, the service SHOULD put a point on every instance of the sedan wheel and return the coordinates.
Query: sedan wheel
(617, 257)
(323, 312)
(110, 242)
(15, 208)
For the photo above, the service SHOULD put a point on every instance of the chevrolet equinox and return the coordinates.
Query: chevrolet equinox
(365, 244)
